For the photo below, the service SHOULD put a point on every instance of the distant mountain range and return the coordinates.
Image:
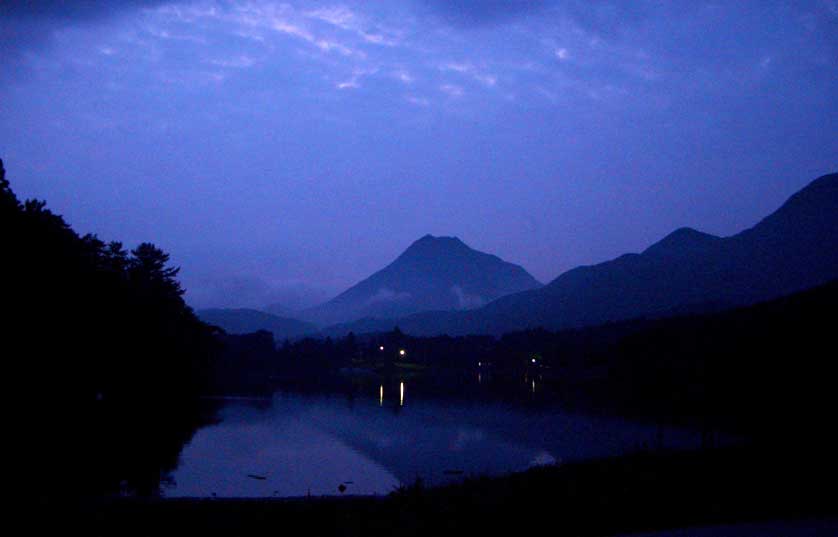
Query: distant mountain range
(434, 273)
(245, 321)
(792, 249)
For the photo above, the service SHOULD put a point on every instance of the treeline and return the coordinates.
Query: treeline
(105, 361)
(767, 371)
(550, 355)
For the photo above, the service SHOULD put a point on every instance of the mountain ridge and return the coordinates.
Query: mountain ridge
(793, 248)
(246, 320)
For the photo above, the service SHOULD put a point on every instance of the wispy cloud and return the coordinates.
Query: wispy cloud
(352, 43)
(238, 62)
(418, 101)
(362, 27)
(354, 81)
(452, 90)
(469, 70)
(562, 56)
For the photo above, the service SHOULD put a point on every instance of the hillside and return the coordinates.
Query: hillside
(246, 321)
(434, 273)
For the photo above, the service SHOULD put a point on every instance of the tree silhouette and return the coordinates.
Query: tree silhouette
(148, 267)
(8, 200)
(103, 345)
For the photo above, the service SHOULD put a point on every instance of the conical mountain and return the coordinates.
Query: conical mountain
(434, 273)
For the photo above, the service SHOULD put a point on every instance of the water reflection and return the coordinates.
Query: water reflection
(312, 444)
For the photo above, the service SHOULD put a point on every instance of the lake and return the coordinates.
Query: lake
(295, 444)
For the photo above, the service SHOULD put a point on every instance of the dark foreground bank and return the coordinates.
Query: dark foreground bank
(637, 493)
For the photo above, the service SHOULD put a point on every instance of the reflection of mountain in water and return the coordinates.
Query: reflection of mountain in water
(421, 442)
(430, 439)
(294, 456)
(314, 443)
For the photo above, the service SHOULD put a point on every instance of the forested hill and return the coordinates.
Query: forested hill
(103, 353)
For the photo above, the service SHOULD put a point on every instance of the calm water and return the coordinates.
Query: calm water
(304, 444)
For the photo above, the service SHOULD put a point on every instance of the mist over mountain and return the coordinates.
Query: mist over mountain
(434, 273)
(245, 321)
(794, 248)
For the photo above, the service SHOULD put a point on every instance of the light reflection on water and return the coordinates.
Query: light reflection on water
(311, 444)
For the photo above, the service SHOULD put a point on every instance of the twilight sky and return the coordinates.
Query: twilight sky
(276, 149)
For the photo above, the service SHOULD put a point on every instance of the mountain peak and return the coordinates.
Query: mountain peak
(430, 245)
(823, 191)
(811, 210)
(430, 239)
(432, 274)
(681, 241)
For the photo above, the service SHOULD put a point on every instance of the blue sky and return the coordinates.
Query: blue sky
(278, 149)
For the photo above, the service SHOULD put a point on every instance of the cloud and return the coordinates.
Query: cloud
(418, 101)
(64, 10)
(457, 67)
(403, 76)
(354, 81)
(555, 51)
(252, 291)
(466, 301)
(350, 21)
(387, 295)
(239, 62)
(482, 12)
(26, 25)
(452, 90)
(290, 21)
(471, 71)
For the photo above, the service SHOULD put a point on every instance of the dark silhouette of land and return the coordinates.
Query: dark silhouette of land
(246, 321)
(599, 498)
(763, 371)
(434, 273)
(441, 286)
(794, 248)
(106, 362)
(733, 336)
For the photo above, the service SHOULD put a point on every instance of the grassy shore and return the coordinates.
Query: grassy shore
(627, 494)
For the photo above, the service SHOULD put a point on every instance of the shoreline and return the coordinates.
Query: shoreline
(622, 495)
